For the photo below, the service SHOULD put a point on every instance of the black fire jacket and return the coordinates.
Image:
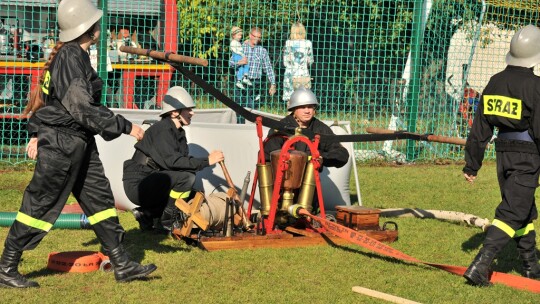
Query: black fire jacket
(168, 147)
(510, 101)
(333, 154)
(72, 94)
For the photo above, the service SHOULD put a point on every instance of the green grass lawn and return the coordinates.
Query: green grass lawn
(320, 274)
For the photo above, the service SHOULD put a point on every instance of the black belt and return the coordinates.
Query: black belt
(79, 133)
(141, 158)
(515, 135)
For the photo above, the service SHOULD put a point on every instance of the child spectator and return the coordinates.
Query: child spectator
(237, 54)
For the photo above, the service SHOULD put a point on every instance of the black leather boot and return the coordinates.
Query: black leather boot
(9, 271)
(531, 268)
(169, 216)
(146, 222)
(479, 272)
(126, 270)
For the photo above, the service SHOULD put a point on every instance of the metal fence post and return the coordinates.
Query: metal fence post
(421, 14)
(102, 49)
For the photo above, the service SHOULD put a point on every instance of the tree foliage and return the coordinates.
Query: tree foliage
(360, 46)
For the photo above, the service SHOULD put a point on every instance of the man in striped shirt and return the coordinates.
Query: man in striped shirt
(258, 60)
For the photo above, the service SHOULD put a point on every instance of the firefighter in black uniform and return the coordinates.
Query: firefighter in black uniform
(510, 102)
(66, 117)
(161, 169)
(303, 104)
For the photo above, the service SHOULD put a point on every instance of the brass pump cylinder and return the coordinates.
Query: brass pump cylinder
(305, 198)
(266, 186)
(292, 177)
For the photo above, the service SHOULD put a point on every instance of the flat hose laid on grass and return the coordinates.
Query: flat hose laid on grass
(64, 221)
(454, 216)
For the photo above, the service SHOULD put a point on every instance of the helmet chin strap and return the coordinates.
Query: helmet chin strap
(179, 120)
(91, 34)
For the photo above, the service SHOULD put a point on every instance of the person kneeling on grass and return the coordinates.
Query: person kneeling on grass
(161, 170)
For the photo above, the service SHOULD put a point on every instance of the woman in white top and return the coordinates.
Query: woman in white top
(297, 57)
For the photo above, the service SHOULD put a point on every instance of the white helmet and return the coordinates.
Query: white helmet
(75, 17)
(525, 47)
(302, 97)
(177, 98)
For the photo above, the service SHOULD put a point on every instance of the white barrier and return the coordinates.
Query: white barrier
(239, 143)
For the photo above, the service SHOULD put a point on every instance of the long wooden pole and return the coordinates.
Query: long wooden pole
(435, 138)
(164, 56)
(382, 295)
(245, 220)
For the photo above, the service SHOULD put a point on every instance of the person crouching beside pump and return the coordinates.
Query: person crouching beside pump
(66, 114)
(161, 170)
(303, 105)
(510, 102)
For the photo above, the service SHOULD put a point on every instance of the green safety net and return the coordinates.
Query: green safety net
(413, 65)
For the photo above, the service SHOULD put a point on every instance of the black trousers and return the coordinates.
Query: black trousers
(66, 164)
(517, 173)
(151, 189)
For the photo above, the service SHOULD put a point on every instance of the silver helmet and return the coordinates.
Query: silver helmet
(177, 98)
(75, 17)
(302, 97)
(525, 47)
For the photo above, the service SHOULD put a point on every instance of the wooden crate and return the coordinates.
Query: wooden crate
(358, 217)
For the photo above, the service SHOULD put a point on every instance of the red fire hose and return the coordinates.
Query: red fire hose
(361, 239)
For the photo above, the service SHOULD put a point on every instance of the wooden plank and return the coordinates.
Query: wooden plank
(212, 244)
(286, 240)
(382, 295)
(302, 232)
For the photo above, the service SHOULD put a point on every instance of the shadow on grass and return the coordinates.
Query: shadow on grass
(367, 254)
(474, 242)
(136, 242)
(47, 272)
(40, 273)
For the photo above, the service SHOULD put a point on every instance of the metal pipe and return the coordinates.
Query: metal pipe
(421, 14)
(243, 192)
(473, 47)
(102, 47)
